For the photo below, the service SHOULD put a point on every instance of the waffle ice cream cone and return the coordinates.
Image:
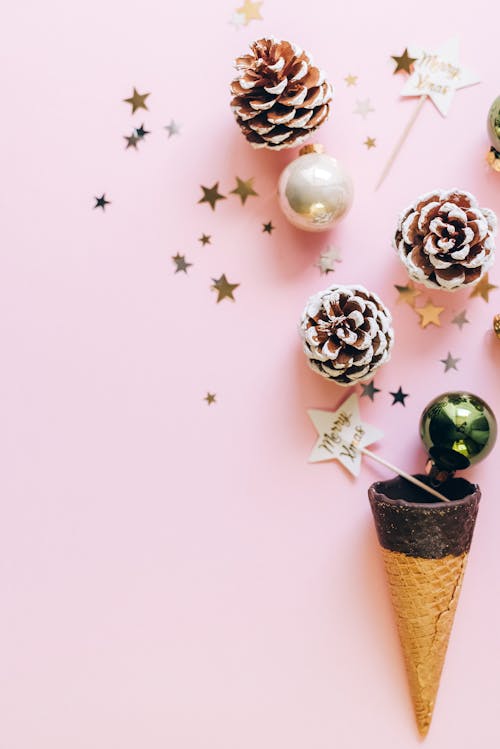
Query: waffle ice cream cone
(425, 545)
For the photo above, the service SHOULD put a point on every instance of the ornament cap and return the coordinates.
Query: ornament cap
(312, 148)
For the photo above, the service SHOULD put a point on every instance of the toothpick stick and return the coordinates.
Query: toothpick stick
(402, 139)
(404, 475)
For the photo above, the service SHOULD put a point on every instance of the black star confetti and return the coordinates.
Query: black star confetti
(369, 390)
(399, 397)
(268, 228)
(181, 263)
(101, 202)
(211, 195)
(141, 132)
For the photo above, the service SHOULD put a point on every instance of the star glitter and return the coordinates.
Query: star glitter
(181, 263)
(250, 10)
(137, 101)
(268, 228)
(101, 202)
(141, 132)
(407, 294)
(370, 142)
(211, 195)
(205, 239)
(210, 398)
(399, 397)
(404, 62)
(327, 259)
(483, 288)
(370, 390)
(450, 362)
(244, 188)
(131, 141)
(460, 320)
(223, 288)
(351, 80)
(429, 315)
(363, 108)
(173, 128)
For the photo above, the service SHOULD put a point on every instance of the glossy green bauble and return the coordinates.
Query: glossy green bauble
(494, 124)
(458, 430)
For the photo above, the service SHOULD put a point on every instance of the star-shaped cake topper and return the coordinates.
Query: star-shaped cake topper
(342, 435)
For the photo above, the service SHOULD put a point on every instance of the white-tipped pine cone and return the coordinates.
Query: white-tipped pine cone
(347, 333)
(279, 96)
(446, 240)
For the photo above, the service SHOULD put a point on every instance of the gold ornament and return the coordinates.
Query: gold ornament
(496, 325)
(314, 190)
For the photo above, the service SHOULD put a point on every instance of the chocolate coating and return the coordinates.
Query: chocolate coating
(408, 520)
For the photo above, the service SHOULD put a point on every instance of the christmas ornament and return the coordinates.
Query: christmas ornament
(279, 96)
(496, 325)
(445, 240)
(347, 333)
(435, 75)
(493, 156)
(425, 544)
(314, 190)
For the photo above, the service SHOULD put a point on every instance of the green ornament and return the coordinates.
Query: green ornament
(494, 124)
(458, 430)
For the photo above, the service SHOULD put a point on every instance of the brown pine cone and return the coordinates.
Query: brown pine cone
(279, 96)
(347, 333)
(446, 240)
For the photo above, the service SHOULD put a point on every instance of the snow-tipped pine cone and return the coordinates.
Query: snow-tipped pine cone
(347, 333)
(446, 240)
(279, 96)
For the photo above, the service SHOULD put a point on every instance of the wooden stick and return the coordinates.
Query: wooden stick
(403, 474)
(400, 142)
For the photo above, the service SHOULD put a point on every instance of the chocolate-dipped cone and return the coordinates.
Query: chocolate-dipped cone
(425, 546)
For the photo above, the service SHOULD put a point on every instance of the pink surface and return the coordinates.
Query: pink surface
(175, 574)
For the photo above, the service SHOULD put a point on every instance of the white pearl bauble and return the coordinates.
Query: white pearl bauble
(314, 190)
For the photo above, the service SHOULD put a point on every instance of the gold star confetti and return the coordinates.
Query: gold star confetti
(102, 202)
(268, 228)
(211, 195)
(370, 142)
(429, 314)
(181, 263)
(483, 288)
(461, 319)
(327, 259)
(250, 10)
(407, 293)
(131, 141)
(137, 101)
(224, 288)
(363, 108)
(450, 362)
(210, 398)
(404, 62)
(351, 80)
(205, 239)
(244, 189)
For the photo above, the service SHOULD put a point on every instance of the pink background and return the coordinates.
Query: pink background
(175, 574)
